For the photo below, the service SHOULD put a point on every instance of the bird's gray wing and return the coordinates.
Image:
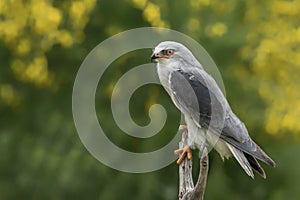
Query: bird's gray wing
(247, 145)
(197, 94)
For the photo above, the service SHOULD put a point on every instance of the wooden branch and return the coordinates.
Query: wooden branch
(187, 191)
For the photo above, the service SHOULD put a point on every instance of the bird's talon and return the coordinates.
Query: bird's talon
(178, 151)
(185, 152)
(182, 127)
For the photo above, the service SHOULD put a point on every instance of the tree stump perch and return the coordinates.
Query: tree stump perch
(187, 190)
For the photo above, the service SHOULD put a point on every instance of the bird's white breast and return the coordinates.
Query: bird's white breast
(196, 136)
(164, 71)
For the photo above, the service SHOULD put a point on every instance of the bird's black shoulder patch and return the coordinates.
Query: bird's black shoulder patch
(192, 95)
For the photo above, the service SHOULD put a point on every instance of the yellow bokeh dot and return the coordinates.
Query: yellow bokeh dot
(8, 95)
(23, 47)
(65, 38)
(152, 12)
(139, 3)
(219, 29)
(45, 18)
(216, 30)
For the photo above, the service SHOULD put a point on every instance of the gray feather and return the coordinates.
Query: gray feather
(242, 160)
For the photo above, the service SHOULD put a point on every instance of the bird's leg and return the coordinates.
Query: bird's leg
(185, 151)
(203, 145)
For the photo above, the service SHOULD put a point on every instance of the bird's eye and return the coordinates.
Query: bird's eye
(169, 52)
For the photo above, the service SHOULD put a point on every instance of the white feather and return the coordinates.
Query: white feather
(240, 157)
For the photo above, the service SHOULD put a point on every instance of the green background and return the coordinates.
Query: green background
(42, 45)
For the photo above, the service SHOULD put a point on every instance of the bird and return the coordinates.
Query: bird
(209, 118)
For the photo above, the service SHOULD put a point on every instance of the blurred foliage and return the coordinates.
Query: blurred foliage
(273, 50)
(42, 44)
(31, 28)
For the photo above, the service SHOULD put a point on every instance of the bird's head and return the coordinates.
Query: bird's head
(169, 51)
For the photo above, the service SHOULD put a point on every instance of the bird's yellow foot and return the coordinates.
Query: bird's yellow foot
(182, 127)
(185, 152)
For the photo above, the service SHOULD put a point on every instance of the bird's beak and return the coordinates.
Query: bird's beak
(156, 55)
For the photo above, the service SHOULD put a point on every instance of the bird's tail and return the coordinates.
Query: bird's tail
(247, 162)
